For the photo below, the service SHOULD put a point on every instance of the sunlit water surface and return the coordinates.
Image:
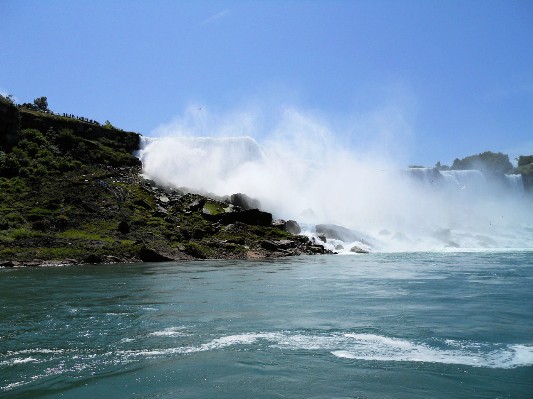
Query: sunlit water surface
(410, 325)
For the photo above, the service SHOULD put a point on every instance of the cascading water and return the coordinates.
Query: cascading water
(314, 182)
(516, 183)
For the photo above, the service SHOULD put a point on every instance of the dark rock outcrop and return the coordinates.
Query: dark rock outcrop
(244, 202)
(358, 250)
(250, 216)
(151, 255)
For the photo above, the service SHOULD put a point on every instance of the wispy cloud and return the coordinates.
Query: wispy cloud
(215, 17)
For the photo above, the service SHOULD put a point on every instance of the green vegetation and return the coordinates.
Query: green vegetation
(525, 160)
(8, 100)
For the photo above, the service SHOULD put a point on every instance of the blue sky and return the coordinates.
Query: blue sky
(449, 78)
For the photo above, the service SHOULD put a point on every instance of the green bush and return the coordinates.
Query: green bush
(11, 220)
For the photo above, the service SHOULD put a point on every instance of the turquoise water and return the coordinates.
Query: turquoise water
(421, 325)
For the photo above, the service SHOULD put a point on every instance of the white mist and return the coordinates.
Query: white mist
(299, 171)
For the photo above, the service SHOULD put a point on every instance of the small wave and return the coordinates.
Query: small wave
(351, 346)
(170, 332)
(371, 347)
(379, 348)
(43, 351)
(18, 360)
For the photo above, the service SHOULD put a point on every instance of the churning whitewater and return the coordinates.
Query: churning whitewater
(312, 179)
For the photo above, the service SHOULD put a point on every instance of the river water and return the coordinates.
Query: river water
(404, 325)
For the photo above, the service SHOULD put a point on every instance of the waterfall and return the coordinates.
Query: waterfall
(515, 182)
(316, 182)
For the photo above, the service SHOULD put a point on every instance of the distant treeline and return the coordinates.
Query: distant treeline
(489, 162)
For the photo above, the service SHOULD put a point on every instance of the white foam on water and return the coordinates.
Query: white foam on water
(369, 347)
(379, 348)
(18, 360)
(350, 346)
(44, 351)
(170, 332)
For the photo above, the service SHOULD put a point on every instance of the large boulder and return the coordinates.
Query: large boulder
(291, 226)
(244, 202)
(154, 253)
(335, 232)
(278, 245)
(358, 250)
(250, 216)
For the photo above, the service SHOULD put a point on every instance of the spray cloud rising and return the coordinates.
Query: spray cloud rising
(299, 169)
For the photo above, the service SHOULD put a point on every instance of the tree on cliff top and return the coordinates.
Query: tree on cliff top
(41, 103)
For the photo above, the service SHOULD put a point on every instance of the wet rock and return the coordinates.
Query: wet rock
(278, 246)
(112, 259)
(251, 216)
(92, 258)
(339, 247)
(32, 263)
(197, 205)
(244, 202)
(7, 263)
(291, 226)
(151, 255)
(358, 250)
(322, 237)
(316, 249)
